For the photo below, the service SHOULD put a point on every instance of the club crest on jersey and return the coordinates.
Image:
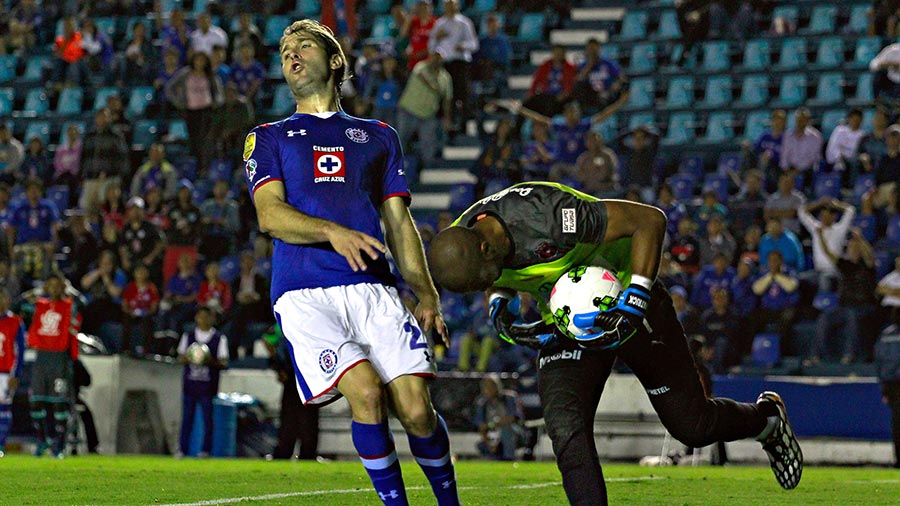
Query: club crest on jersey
(328, 361)
(328, 164)
(249, 145)
(357, 135)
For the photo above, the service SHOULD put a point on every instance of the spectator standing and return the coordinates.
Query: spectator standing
(552, 84)
(639, 152)
(801, 148)
(156, 172)
(26, 26)
(418, 28)
(197, 92)
(68, 51)
(599, 81)
(569, 132)
(135, 65)
(784, 203)
(834, 235)
(767, 147)
(454, 35)
(82, 378)
(777, 289)
(887, 166)
(167, 71)
(36, 163)
(9, 281)
(717, 275)
(498, 416)
(889, 289)
(498, 164)
(785, 241)
(537, 154)
(32, 234)
(12, 356)
(207, 36)
(247, 73)
(428, 92)
(104, 151)
(297, 422)
(77, 245)
(179, 299)
(843, 144)
(98, 52)
(117, 119)
(251, 302)
(493, 61)
(176, 34)
(887, 360)
(220, 222)
(231, 122)
(218, 63)
(184, 228)
(200, 382)
(140, 302)
(886, 85)
(67, 163)
(141, 242)
(11, 154)
(247, 33)
(594, 170)
(103, 286)
(382, 92)
(873, 145)
(747, 206)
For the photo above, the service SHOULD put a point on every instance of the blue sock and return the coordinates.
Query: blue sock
(375, 446)
(5, 422)
(433, 455)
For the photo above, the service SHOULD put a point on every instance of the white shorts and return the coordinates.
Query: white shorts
(330, 330)
(5, 397)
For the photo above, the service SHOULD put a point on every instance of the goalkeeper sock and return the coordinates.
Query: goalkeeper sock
(5, 423)
(375, 446)
(433, 455)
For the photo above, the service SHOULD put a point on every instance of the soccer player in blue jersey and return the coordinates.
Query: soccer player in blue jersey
(322, 182)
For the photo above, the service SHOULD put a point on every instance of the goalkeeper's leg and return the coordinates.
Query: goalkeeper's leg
(571, 381)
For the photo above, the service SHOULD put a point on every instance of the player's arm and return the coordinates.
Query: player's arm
(406, 245)
(282, 221)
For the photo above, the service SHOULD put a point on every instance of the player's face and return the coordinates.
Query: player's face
(53, 287)
(304, 64)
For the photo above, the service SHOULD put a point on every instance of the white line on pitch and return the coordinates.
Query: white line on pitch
(285, 495)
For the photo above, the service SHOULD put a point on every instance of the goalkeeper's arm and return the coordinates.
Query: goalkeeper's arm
(503, 310)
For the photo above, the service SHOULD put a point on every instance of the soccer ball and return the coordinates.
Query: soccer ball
(583, 289)
(198, 354)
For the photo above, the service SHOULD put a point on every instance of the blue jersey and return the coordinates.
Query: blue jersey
(570, 139)
(338, 168)
(35, 223)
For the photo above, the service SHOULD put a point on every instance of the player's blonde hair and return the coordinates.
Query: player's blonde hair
(325, 37)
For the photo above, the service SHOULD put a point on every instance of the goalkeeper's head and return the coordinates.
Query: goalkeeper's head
(463, 260)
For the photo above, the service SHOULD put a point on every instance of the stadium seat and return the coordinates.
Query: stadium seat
(864, 94)
(859, 19)
(35, 67)
(829, 89)
(634, 25)
(862, 185)
(792, 92)
(641, 93)
(830, 53)
(461, 196)
(377, 6)
(728, 162)
(717, 93)
(283, 102)
(641, 119)
(102, 96)
(608, 128)
(140, 97)
(145, 134)
(229, 268)
(867, 48)
(868, 119)
(866, 225)
(831, 119)
(757, 55)
(825, 301)
(884, 263)
(680, 130)
(40, 129)
(59, 195)
(479, 7)
(892, 234)
(822, 20)
(313, 8)
(8, 68)
(827, 184)
(383, 27)
(680, 94)
(755, 124)
(643, 58)
(792, 54)
(789, 12)
(70, 101)
(531, 27)
(6, 101)
(692, 164)
(274, 29)
(682, 186)
(219, 170)
(718, 184)
(766, 350)
(36, 103)
(716, 56)
(264, 266)
(754, 91)
(668, 26)
(719, 128)
(177, 131)
(107, 26)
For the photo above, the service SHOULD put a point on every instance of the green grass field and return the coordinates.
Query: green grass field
(107, 480)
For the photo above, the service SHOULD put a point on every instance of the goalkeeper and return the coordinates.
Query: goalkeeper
(524, 238)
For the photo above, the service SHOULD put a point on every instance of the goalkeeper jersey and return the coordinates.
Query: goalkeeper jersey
(552, 228)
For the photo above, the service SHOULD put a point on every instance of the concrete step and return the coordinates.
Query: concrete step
(539, 57)
(461, 152)
(598, 14)
(519, 82)
(446, 177)
(577, 37)
(430, 201)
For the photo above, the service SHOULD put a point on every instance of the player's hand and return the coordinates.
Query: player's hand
(613, 327)
(503, 309)
(352, 244)
(428, 314)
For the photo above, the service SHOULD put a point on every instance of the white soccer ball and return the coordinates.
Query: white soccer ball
(198, 354)
(583, 289)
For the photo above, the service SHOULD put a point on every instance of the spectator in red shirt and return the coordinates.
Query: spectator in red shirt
(140, 300)
(418, 29)
(552, 84)
(69, 53)
(214, 291)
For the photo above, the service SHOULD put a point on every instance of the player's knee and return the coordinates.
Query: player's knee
(367, 403)
(569, 442)
(417, 418)
(690, 432)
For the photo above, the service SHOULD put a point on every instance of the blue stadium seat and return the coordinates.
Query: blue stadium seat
(107, 26)
(59, 195)
(755, 124)
(634, 25)
(680, 130)
(264, 266)
(479, 7)
(668, 25)
(717, 93)
(641, 93)
(864, 94)
(200, 6)
(177, 131)
(141, 96)
(274, 29)
(8, 68)
(866, 225)
(868, 119)
(719, 128)
(229, 268)
(378, 6)
(830, 53)
(35, 67)
(40, 129)
(822, 20)
(461, 196)
(718, 184)
(680, 94)
(829, 89)
(608, 128)
(867, 48)
(384, 26)
(146, 132)
(862, 185)
(884, 263)
(859, 18)
(283, 102)
(7, 95)
(827, 184)
(716, 56)
(830, 120)
(728, 162)
(643, 58)
(792, 91)
(825, 301)
(275, 67)
(36, 103)
(892, 234)
(682, 186)
(102, 96)
(754, 91)
(312, 8)
(531, 27)
(692, 164)
(789, 12)
(757, 55)
(70, 101)
(641, 119)
(793, 54)
(765, 351)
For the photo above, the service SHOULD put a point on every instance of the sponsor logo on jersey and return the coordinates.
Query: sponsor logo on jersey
(658, 391)
(328, 164)
(357, 135)
(250, 167)
(563, 355)
(523, 192)
(249, 145)
(569, 222)
(292, 133)
(328, 360)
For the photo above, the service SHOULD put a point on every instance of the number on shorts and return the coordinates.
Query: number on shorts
(414, 343)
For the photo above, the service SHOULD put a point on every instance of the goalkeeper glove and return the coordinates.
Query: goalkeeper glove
(613, 327)
(503, 311)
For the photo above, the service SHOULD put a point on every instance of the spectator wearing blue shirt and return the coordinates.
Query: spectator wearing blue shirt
(33, 230)
(175, 35)
(673, 209)
(569, 132)
(767, 147)
(246, 72)
(719, 275)
(217, 61)
(785, 242)
(599, 81)
(102, 286)
(536, 158)
(167, 71)
(778, 296)
(179, 300)
(383, 90)
(493, 60)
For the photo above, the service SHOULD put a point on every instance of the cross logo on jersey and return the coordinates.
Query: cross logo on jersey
(328, 163)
